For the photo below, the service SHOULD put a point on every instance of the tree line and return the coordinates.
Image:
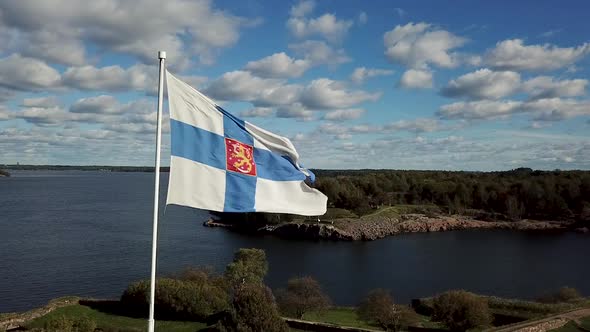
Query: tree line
(511, 195)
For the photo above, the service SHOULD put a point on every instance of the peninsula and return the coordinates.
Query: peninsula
(372, 204)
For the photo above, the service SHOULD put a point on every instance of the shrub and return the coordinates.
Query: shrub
(460, 310)
(564, 294)
(302, 295)
(567, 294)
(253, 310)
(192, 299)
(378, 308)
(84, 324)
(59, 324)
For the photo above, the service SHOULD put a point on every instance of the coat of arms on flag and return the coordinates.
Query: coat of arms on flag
(240, 157)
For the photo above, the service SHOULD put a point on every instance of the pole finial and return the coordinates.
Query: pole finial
(162, 54)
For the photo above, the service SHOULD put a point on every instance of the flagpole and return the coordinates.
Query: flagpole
(162, 57)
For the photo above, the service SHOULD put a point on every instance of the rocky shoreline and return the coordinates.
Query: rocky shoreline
(350, 229)
(13, 321)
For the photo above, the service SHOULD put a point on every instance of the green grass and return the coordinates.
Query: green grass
(339, 316)
(524, 309)
(573, 327)
(6, 316)
(426, 322)
(335, 213)
(111, 322)
(341, 217)
(569, 327)
(530, 309)
(398, 210)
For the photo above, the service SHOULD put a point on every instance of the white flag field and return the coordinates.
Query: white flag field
(222, 163)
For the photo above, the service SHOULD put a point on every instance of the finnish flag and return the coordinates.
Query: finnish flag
(221, 163)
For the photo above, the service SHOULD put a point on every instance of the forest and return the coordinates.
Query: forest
(521, 193)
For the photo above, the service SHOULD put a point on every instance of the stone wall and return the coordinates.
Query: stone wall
(544, 326)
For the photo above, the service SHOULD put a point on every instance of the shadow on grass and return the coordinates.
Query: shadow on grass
(112, 307)
(117, 308)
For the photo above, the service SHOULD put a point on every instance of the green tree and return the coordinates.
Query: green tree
(460, 310)
(248, 266)
(253, 310)
(302, 295)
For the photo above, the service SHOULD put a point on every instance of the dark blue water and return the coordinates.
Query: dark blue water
(89, 234)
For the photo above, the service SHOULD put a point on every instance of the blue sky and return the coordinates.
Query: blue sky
(461, 85)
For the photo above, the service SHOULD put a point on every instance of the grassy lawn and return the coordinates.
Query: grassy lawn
(339, 316)
(426, 322)
(569, 327)
(572, 327)
(335, 213)
(112, 322)
(397, 210)
(340, 216)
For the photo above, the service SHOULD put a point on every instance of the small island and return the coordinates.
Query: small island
(4, 173)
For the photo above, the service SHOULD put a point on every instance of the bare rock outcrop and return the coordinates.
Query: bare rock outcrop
(350, 229)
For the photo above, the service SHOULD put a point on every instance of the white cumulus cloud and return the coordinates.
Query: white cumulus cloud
(99, 104)
(416, 126)
(342, 115)
(317, 52)
(27, 74)
(416, 79)
(243, 86)
(489, 84)
(258, 112)
(547, 87)
(50, 101)
(548, 109)
(278, 65)
(302, 8)
(513, 54)
(296, 111)
(483, 84)
(327, 25)
(324, 93)
(482, 109)
(417, 45)
(360, 74)
(57, 31)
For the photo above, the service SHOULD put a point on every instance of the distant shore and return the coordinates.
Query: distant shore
(377, 227)
(96, 168)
